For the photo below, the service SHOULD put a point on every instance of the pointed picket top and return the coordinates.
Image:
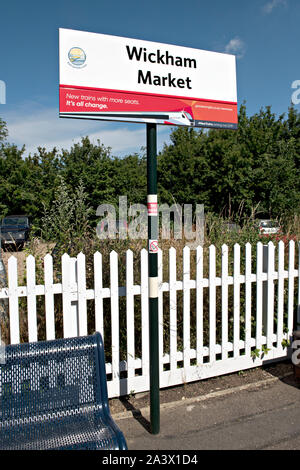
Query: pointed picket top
(212, 262)
(248, 255)
(271, 247)
(199, 262)
(236, 261)
(291, 255)
(212, 249)
(281, 244)
(114, 267)
(97, 260)
(12, 272)
(129, 269)
(186, 261)
(186, 249)
(81, 270)
(237, 248)
(48, 258)
(248, 252)
(292, 244)
(80, 256)
(98, 264)
(199, 256)
(172, 251)
(12, 261)
(225, 254)
(212, 259)
(30, 267)
(224, 251)
(65, 257)
(199, 249)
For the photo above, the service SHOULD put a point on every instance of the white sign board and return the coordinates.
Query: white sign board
(116, 78)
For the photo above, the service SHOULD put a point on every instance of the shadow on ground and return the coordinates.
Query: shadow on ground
(136, 413)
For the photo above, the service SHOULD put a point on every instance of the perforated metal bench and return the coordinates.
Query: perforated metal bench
(53, 395)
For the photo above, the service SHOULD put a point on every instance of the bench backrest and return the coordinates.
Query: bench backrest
(50, 376)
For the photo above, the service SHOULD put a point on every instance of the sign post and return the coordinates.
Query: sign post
(153, 276)
(114, 78)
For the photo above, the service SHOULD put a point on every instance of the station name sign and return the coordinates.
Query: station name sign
(122, 79)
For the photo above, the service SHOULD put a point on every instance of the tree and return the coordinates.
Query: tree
(3, 130)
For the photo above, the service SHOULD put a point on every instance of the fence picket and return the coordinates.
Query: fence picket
(212, 304)
(70, 320)
(259, 294)
(115, 323)
(280, 293)
(145, 313)
(186, 307)
(49, 297)
(248, 296)
(65, 268)
(98, 290)
(160, 309)
(297, 327)
(81, 288)
(270, 310)
(224, 302)
(14, 321)
(199, 304)
(31, 299)
(130, 315)
(173, 308)
(236, 299)
(291, 287)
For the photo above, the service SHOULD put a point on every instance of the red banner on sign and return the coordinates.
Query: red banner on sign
(88, 103)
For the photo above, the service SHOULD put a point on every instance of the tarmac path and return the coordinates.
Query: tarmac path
(264, 415)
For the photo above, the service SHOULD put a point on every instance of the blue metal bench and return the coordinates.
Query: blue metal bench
(53, 395)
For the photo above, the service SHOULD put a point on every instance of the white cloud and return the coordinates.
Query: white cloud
(236, 46)
(269, 7)
(41, 127)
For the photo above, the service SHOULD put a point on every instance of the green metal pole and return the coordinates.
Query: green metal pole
(153, 276)
(3, 283)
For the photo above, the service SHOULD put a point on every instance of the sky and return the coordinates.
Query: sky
(263, 34)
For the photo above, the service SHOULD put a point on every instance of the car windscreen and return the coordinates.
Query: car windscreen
(15, 221)
(268, 224)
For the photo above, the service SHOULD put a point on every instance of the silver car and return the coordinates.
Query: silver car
(268, 226)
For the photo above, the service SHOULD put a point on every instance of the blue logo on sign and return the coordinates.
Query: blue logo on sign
(77, 57)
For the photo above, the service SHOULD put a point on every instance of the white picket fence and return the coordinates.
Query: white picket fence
(265, 324)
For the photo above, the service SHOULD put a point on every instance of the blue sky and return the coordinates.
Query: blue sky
(264, 35)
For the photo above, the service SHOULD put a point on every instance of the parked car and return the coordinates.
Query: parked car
(14, 231)
(268, 226)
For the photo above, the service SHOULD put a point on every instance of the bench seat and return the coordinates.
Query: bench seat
(53, 395)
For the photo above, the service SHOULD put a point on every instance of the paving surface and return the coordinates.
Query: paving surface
(263, 414)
